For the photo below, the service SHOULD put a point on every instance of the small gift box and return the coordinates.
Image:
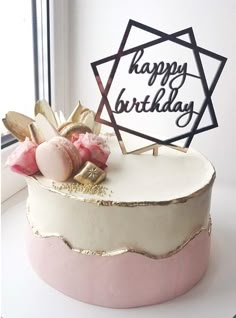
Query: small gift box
(90, 174)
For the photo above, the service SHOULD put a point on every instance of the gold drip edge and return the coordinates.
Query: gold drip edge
(122, 250)
(105, 202)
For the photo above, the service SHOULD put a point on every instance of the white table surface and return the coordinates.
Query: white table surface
(25, 295)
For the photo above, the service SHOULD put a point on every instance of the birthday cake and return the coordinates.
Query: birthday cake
(108, 229)
(116, 227)
(139, 238)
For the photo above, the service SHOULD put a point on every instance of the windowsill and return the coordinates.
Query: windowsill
(12, 202)
(11, 181)
(26, 295)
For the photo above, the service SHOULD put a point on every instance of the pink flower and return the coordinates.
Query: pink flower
(93, 148)
(22, 159)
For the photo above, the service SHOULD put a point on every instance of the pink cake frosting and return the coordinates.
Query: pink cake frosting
(121, 281)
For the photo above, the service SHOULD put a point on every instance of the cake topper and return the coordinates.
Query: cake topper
(142, 86)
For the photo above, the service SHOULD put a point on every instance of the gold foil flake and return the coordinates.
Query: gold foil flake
(124, 249)
(130, 204)
(74, 187)
(90, 174)
(121, 250)
(86, 117)
(71, 128)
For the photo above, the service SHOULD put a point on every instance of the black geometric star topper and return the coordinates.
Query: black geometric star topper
(149, 95)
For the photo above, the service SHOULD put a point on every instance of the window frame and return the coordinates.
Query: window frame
(59, 54)
(44, 45)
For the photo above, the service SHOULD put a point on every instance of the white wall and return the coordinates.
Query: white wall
(96, 29)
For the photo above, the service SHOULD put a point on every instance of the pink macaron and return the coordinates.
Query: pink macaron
(58, 159)
(71, 150)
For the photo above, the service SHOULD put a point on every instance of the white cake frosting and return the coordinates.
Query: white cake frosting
(151, 204)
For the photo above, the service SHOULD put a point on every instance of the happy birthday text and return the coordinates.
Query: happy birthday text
(172, 74)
